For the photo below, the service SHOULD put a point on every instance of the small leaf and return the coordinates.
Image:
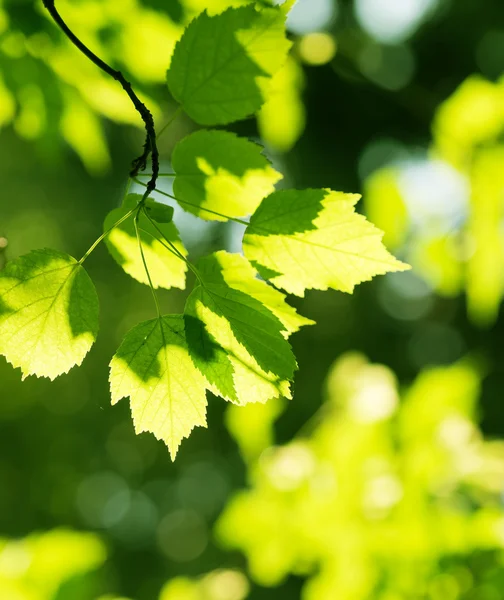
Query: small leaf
(314, 239)
(48, 313)
(153, 368)
(220, 172)
(167, 270)
(161, 213)
(222, 64)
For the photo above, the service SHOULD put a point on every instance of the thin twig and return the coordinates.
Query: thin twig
(150, 146)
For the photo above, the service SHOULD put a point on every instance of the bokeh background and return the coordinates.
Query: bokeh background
(383, 479)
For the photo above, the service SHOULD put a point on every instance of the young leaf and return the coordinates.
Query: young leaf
(167, 270)
(161, 213)
(314, 239)
(48, 313)
(222, 64)
(153, 368)
(235, 271)
(220, 172)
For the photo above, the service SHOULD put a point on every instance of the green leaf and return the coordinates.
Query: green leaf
(235, 271)
(314, 239)
(220, 172)
(161, 213)
(153, 368)
(167, 270)
(236, 341)
(254, 326)
(222, 64)
(48, 313)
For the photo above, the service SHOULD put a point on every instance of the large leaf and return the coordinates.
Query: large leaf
(153, 368)
(222, 173)
(222, 64)
(237, 342)
(48, 313)
(314, 239)
(235, 271)
(166, 269)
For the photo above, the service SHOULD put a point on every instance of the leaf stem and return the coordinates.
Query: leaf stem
(104, 235)
(172, 247)
(159, 175)
(150, 145)
(213, 212)
(154, 295)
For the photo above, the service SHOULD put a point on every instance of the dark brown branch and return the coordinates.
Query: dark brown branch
(150, 146)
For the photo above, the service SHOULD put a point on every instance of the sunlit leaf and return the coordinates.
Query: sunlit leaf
(235, 340)
(153, 368)
(235, 271)
(314, 239)
(166, 269)
(220, 172)
(48, 313)
(222, 63)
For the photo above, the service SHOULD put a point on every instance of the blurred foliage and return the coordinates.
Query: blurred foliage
(460, 247)
(415, 121)
(39, 566)
(378, 496)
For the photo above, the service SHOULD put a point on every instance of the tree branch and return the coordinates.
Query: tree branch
(150, 146)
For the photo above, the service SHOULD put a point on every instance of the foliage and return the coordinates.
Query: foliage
(232, 338)
(62, 563)
(462, 249)
(38, 566)
(381, 495)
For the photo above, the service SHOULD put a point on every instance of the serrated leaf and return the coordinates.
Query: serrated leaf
(48, 313)
(229, 369)
(222, 64)
(222, 173)
(314, 239)
(254, 326)
(167, 270)
(235, 271)
(161, 213)
(237, 342)
(153, 368)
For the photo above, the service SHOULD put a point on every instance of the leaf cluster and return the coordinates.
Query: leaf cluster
(232, 339)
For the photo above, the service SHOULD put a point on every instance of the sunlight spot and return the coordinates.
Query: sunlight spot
(289, 466)
(311, 15)
(317, 48)
(455, 431)
(434, 191)
(225, 585)
(392, 21)
(383, 492)
(376, 399)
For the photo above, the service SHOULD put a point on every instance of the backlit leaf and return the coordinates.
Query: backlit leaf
(236, 341)
(314, 239)
(153, 368)
(48, 313)
(222, 64)
(235, 271)
(167, 270)
(220, 172)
